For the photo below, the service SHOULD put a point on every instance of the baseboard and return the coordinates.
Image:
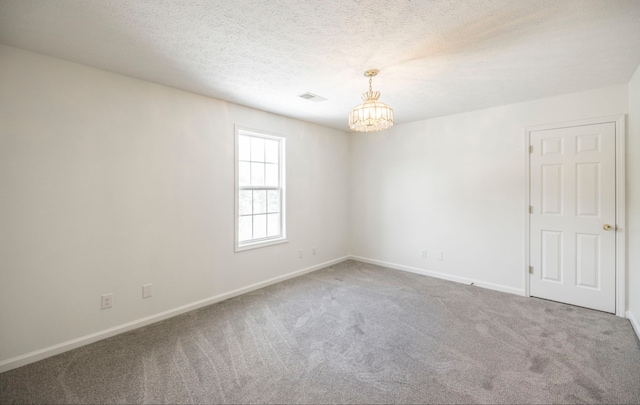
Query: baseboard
(444, 276)
(41, 354)
(634, 323)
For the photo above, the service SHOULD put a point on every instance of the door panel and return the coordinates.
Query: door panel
(552, 256)
(552, 189)
(587, 260)
(588, 189)
(572, 197)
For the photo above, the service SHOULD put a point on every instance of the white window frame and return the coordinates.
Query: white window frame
(267, 241)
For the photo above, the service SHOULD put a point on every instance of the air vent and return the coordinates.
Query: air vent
(312, 97)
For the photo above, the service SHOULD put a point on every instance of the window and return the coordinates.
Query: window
(260, 191)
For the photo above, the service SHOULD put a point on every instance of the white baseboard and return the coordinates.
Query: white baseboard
(444, 276)
(634, 323)
(41, 354)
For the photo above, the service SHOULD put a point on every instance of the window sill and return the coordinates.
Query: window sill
(256, 245)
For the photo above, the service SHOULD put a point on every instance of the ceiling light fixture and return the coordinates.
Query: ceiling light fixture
(372, 115)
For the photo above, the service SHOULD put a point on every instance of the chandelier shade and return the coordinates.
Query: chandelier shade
(372, 115)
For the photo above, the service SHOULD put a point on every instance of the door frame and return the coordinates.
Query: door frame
(621, 231)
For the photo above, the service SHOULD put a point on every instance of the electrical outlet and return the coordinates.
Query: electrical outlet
(300, 254)
(423, 254)
(313, 250)
(147, 290)
(437, 254)
(107, 300)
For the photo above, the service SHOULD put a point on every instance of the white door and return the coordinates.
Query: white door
(572, 220)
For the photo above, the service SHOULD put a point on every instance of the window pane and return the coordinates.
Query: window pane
(244, 228)
(257, 149)
(244, 148)
(257, 174)
(271, 151)
(245, 202)
(273, 200)
(259, 226)
(244, 173)
(273, 224)
(259, 201)
(271, 175)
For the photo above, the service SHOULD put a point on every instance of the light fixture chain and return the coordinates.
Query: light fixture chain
(370, 90)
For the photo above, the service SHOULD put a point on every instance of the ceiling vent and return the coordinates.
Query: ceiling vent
(312, 97)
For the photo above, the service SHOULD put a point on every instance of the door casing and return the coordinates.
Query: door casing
(620, 254)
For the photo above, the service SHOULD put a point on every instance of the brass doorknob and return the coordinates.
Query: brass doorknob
(607, 227)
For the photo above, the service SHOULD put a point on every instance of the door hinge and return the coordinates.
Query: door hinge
(530, 269)
(531, 209)
(530, 148)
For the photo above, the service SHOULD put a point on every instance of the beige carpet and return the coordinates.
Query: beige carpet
(352, 333)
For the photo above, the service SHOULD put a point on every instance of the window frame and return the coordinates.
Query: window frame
(282, 155)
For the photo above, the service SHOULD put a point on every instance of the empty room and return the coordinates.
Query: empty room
(339, 201)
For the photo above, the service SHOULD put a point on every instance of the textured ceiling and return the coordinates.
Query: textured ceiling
(436, 57)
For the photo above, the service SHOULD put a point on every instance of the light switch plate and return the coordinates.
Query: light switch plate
(147, 290)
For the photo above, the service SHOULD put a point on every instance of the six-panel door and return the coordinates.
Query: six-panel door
(572, 254)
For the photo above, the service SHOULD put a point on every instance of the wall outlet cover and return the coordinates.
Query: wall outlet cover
(107, 301)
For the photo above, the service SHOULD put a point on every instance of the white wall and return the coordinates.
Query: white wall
(108, 182)
(456, 184)
(633, 202)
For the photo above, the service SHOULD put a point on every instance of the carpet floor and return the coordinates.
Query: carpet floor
(352, 333)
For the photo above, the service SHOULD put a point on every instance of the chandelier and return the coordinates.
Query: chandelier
(372, 115)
